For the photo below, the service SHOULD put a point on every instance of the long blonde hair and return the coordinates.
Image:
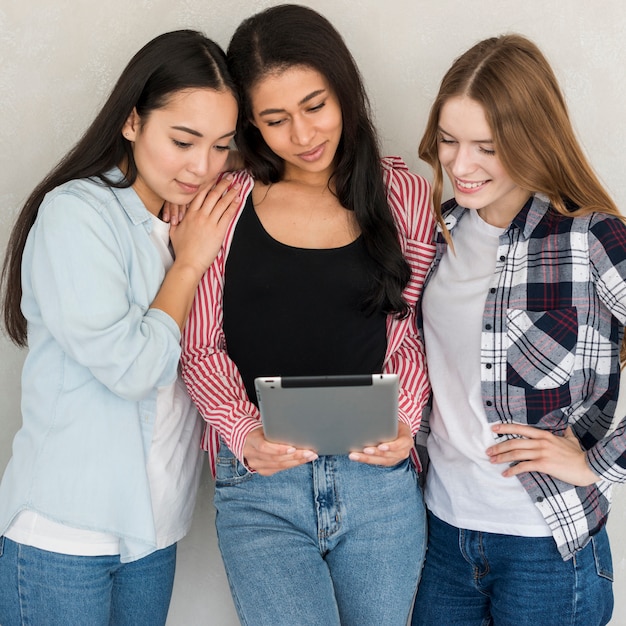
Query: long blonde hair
(532, 132)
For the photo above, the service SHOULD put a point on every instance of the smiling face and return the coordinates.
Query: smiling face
(466, 152)
(182, 146)
(299, 117)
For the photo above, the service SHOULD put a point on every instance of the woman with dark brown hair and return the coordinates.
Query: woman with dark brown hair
(319, 276)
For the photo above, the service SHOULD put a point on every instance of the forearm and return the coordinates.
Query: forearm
(409, 363)
(177, 292)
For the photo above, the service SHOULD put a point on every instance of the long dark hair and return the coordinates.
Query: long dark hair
(183, 59)
(291, 35)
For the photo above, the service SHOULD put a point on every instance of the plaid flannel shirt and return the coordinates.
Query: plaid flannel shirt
(552, 328)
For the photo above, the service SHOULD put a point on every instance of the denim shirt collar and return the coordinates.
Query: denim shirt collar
(128, 199)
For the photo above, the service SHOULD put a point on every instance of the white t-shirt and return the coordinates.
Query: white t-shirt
(173, 468)
(463, 488)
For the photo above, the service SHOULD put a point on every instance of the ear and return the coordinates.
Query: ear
(131, 127)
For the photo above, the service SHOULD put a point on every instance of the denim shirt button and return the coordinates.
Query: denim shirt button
(489, 403)
(539, 499)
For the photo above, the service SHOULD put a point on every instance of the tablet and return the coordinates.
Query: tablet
(329, 414)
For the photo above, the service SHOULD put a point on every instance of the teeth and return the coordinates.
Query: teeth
(468, 185)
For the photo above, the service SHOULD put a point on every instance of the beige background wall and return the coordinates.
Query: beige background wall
(58, 59)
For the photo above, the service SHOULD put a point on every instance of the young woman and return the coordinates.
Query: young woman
(523, 316)
(319, 276)
(104, 471)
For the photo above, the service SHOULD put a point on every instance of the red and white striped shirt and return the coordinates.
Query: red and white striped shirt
(213, 379)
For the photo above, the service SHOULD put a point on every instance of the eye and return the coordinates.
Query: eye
(223, 148)
(317, 107)
(488, 152)
(181, 144)
(446, 141)
(272, 123)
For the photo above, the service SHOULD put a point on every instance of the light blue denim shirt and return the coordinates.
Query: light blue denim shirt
(97, 355)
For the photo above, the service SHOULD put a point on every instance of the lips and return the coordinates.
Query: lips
(469, 186)
(313, 155)
(188, 187)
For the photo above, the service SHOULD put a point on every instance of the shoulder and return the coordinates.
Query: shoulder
(397, 175)
(605, 222)
(409, 199)
(81, 199)
(243, 178)
(95, 210)
(88, 190)
(610, 232)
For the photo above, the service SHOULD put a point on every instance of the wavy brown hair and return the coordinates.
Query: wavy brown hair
(532, 131)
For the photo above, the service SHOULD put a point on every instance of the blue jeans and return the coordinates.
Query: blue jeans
(41, 588)
(329, 542)
(475, 578)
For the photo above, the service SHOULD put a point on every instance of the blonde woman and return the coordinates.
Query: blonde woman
(522, 315)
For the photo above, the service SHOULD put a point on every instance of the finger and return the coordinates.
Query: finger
(222, 207)
(212, 193)
(271, 468)
(380, 457)
(512, 444)
(516, 456)
(521, 468)
(372, 459)
(271, 464)
(182, 209)
(175, 213)
(523, 430)
(165, 212)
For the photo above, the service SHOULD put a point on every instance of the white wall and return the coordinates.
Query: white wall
(58, 59)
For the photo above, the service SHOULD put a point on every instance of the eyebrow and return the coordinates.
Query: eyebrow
(304, 100)
(445, 132)
(191, 131)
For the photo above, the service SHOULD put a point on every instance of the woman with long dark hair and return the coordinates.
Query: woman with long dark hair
(105, 467)
(319, 276)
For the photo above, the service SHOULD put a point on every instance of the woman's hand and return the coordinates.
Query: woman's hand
(198, 238)
(196, 241)
(539, 450)
(267, 458)
(389, 452)
(173, 213)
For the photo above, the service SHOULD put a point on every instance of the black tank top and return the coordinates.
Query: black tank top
(298, 311)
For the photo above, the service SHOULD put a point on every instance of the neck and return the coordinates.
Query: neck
(314, 181)
(502, 216)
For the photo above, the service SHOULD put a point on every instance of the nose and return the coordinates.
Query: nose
(302, 131)
(207, 164)
(463, 162)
